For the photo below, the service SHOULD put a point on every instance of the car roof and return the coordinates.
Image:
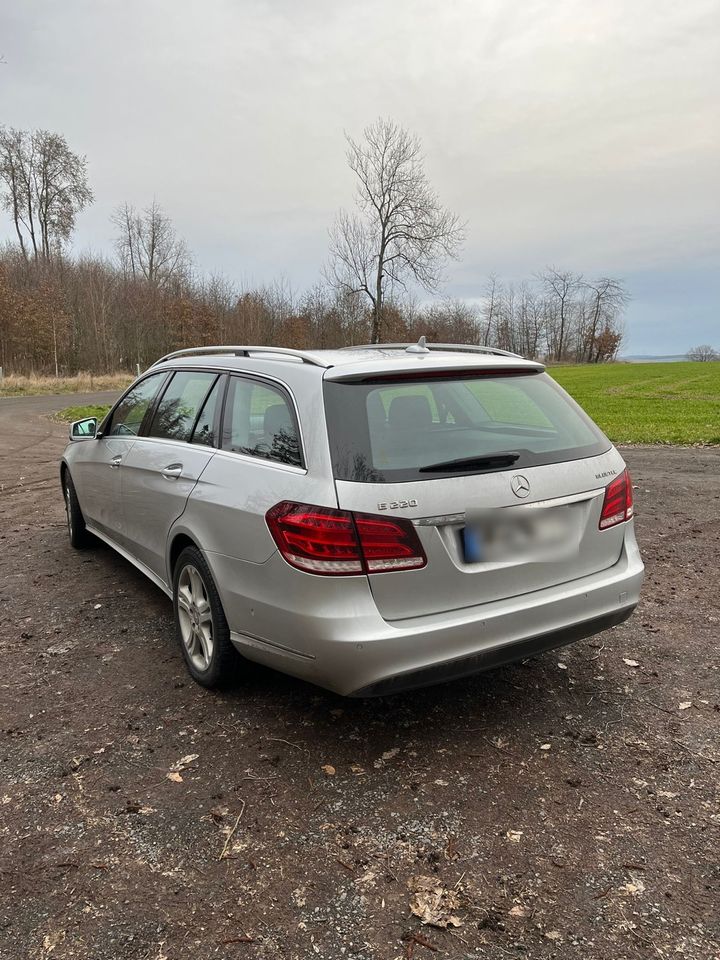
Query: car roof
(352, 362)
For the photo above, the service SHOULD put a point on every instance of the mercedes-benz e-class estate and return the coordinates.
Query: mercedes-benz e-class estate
(369, 519)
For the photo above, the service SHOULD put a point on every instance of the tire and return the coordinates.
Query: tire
(200, 625)
(77, 531)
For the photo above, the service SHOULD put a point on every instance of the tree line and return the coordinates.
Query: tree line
(62, 314)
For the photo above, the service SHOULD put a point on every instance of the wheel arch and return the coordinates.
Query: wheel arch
(177, 543)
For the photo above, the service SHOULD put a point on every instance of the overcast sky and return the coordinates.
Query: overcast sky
(567, 132)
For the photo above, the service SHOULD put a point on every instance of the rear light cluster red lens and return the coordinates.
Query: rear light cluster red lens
(618, 503)
(340, 543)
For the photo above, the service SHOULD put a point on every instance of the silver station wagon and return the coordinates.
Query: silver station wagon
(370, 519)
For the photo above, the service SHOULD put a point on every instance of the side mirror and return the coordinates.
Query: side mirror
(84, 429)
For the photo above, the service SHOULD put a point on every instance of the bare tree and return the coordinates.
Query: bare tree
(148, 247)
(561, 288)
(703, 353)
(605, 300)
(493, 294)
(45, 188)
(400, 232)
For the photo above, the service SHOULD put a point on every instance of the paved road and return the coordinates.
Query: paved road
(31, 444)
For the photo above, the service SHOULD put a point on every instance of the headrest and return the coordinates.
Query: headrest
(410, 412)
(375, 410)
(277, 417)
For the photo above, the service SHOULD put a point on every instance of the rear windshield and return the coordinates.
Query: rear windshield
(393, 431)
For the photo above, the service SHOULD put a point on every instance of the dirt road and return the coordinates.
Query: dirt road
(568, 806)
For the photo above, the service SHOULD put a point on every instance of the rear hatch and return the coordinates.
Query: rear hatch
(460, 453)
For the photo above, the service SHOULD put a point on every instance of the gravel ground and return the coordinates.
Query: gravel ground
(565, 807)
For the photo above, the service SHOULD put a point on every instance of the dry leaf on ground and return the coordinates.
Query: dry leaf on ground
(434, 903)
(633, 888)
(185, 761)
(519, 911)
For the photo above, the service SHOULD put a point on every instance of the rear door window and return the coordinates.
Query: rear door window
(259, 421)
(180, 405)
(462, 424)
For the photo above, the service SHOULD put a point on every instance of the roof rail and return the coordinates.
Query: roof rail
(242, 351)
(447, 347)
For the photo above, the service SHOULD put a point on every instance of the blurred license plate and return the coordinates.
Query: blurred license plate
(525, 533)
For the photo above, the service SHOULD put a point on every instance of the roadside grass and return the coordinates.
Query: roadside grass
(675, 403)
(14, 385)
(68, 414)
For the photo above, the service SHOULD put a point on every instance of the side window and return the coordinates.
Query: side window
(260, 422)
(204, 431)
(179, 406)
(130, 412)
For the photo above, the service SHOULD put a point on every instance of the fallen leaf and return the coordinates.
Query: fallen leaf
(388, 755)
(174, 776)
(633, 888)
(185, 761)
(630, 663)
(685, 705)
(329, 769)
(518, 911)
(52, 940)
(434, 903)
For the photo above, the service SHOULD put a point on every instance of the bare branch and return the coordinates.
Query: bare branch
(402, 233)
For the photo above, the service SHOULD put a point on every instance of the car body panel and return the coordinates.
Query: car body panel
(227, 509)
(97, 477)
(157, 477)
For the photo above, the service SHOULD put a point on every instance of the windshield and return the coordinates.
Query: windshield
(393, 431)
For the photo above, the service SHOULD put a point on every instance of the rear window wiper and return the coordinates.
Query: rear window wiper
(493, 461)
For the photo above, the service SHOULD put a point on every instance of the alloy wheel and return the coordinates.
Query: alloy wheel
(195, 616)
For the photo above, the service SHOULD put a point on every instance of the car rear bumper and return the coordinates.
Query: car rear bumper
(330, 632)
(494, 656)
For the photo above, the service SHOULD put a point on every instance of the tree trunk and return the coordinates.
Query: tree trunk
(377, 309)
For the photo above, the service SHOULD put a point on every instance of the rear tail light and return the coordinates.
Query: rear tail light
(340, 543)
(618, 503)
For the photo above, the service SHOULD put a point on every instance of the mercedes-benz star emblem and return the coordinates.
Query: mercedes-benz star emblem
(520, 486)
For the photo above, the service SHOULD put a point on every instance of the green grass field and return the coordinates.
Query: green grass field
(79, 413)
(632, 402)
(648, 402)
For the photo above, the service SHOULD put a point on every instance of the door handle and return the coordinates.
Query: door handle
(115, 462)
(173, 471)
